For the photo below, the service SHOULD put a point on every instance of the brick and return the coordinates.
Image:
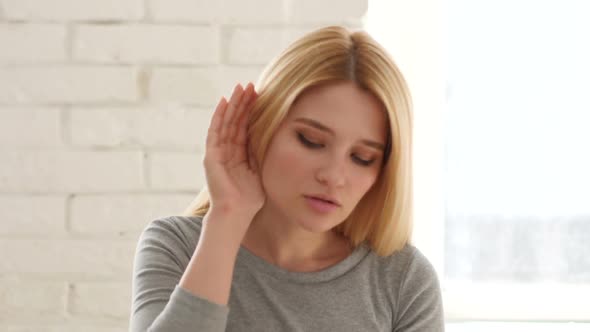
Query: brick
(32, 43)
(166, 126)
(68, 259)
(20, 299)
(198, 86)
(201, 86)
(78, 10)
(254, 46)
(66, 327)
(147, 43)
(100, 299)
(26, 214)
(254, 11)
(176, 171)
(65, 84)
(225, 11)
(64, 172)
(26, 128)
(329, 11)
(199, 11)
(259, 45)
(124, 215)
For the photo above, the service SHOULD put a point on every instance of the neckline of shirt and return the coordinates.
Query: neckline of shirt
(331, 272)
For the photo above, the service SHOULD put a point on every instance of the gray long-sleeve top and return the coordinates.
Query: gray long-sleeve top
(363, 292)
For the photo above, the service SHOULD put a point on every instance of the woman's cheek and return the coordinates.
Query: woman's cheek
(291, 158)
(367, 183)
(283, 161)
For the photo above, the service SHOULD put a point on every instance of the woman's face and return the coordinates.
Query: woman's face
(330, 146)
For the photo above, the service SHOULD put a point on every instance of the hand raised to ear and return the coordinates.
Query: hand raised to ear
(232, 178)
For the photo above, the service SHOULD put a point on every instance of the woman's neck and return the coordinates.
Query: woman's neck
(285, 244)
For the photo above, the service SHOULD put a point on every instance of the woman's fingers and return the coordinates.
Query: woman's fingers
(216, 122)
(244, 112)
(241, 140)
(228, 125)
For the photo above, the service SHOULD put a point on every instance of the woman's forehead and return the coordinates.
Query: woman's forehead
(342, 107)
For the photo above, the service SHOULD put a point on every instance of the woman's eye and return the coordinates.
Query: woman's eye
(308, 143)
(312, 145)
(362, 162)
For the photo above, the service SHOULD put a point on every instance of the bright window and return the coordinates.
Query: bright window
(502, 132)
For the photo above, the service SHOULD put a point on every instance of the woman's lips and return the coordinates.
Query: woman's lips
(320, 205)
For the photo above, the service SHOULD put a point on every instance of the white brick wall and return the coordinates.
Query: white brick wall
(59, 171)
(32, 299)
(104, 107)
(73, 10)
(146, 43)
(255, 12)
(164, 127)
(19, 122)
(30, 43)
(120, 215)
(33, 215)
(100, 300)
(65, 84)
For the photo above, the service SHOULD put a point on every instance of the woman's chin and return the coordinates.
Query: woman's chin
(316, 224)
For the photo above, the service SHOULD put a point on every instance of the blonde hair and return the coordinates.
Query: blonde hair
(383, 217)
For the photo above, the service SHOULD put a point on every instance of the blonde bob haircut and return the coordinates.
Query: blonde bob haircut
(383, 217)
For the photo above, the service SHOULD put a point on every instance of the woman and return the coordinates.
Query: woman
(306, 219)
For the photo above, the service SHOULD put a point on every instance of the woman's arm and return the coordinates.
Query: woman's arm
(169, 297)
(210, 270)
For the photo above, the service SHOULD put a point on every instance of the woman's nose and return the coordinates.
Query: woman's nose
(333, 173)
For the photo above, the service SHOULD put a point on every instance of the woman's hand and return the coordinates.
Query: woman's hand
(232, 175)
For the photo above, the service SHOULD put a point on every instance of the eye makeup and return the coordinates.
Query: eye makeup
(313, 145)
(307, 142)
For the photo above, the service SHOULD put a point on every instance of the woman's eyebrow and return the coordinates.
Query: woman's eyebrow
(373, 144)
(318, 125)
(315, 124)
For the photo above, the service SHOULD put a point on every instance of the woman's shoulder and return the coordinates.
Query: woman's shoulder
(407, 254)
(417, 293)
(417, 265)
(409, 281)
(173, 231)
(407, 265)
(176, 223)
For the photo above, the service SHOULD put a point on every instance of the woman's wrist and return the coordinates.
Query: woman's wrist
(228, 226)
